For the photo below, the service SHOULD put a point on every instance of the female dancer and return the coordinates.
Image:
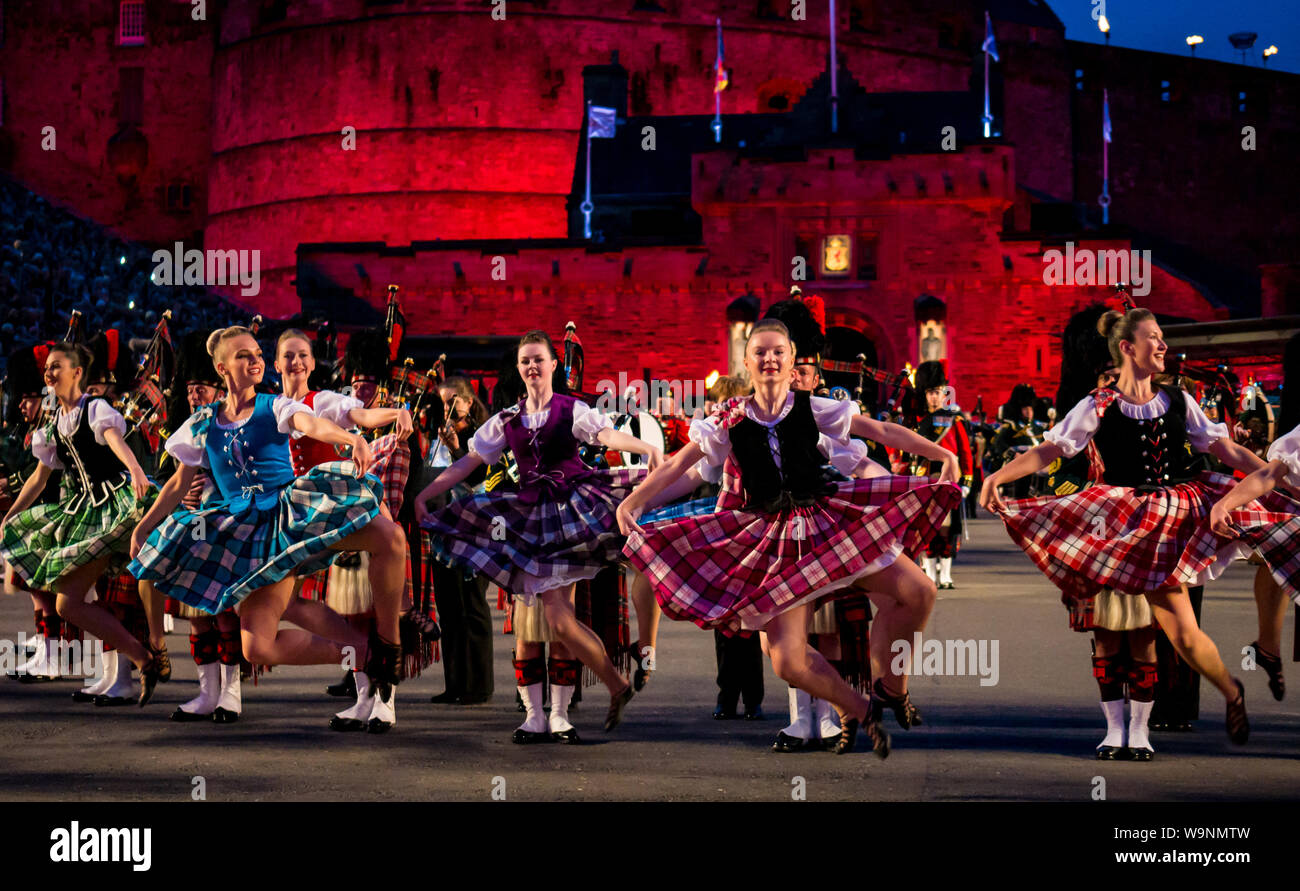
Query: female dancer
(760, 563)
(559, 527)
(347, 597)
(1146, 531)
(65, 547)
(244, 545)
(1277, 544)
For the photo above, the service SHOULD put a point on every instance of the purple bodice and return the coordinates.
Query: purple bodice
(547, 455)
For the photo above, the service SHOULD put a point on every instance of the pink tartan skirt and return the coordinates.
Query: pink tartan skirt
(736, 570)
(1133, 542)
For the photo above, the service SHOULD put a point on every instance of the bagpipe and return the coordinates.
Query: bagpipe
(407, 388)
(144, 407)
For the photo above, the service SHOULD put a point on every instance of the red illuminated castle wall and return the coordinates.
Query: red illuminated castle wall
(468, 128)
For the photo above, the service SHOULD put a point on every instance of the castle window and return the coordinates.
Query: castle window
(272, 12)
(766, 9)
(868, 248)
(131, 87)
(1164, 91)
(130, 23)
(1078, 79)
(863, 15)
(953, 35)
(805, 248)
(179, 197)
(1240, 102)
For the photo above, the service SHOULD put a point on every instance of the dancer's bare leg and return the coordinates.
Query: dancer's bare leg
(1173, 610)
(1270, 603)
(580, 640)
(384, 541)
(71, 605)
(265, 643)
(904, 597)
(796, 662)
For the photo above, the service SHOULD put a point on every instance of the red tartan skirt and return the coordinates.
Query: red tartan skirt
(737, 570)
(1278, 543)
(1133, 542)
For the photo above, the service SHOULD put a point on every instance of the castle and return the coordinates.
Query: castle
(440, 144)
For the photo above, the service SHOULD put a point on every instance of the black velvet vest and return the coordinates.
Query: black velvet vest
(801, 479)
(1146, 454)
(92, 469)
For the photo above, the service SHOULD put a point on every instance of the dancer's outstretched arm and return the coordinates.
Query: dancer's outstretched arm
(327, 431)
(1025, 463)
(655, 483)
(899, 437)
(1258, 484)
(446, 481)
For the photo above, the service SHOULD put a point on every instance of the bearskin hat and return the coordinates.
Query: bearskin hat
(808, 335)
(366, 356)
(113, 362)
(1084, 355)
(930, 376)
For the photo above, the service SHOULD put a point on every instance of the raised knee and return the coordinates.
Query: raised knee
(256, 649)
(788, 668)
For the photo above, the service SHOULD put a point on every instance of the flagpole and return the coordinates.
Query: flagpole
(587, 206)
(1105, 159)
(988, 117)
(717, 94)
(835, 93)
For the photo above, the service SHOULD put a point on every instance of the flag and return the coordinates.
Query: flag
(989, 46)
(600, 122)
(1105, 115)
(720, 79)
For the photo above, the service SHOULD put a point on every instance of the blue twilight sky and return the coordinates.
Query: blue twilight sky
(1163, 26)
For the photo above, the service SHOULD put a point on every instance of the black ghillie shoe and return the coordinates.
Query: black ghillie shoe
(617, 704)
(1237, 723)
(906, 714)
(1272, 666)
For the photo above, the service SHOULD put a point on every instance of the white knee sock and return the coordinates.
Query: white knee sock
(535, 722)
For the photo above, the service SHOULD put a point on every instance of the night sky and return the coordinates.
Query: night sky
(1163, 26)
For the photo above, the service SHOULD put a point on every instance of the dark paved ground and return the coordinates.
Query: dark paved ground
(1029, 737)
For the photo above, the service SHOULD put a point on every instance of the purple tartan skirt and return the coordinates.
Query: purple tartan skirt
(736, 569)
(1134, 542)
(528, 548)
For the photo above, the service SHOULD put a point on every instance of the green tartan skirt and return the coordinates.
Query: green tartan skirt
(46, 542)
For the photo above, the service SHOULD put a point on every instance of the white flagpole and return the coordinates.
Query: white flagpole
(988, 118)
(587, 206)
(835, 93)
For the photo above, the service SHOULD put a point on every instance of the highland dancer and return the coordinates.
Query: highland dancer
(761, 560)
(348, 598)
(1146, 531)
(243, 547)
(559, 527)
(65, 547)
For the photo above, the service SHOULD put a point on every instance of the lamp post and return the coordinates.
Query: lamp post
(1271, 51)
(1103, 24)
(1193, 40)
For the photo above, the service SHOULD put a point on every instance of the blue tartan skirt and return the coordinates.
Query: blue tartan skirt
(212, 558)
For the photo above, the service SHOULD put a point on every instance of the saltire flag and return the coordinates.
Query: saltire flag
(990, 45)
(600, 122)
(720, 79)
(1105, 115)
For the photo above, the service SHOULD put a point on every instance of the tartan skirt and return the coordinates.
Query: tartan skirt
(1278, 543)
(215, 566)
(46, 542)
(735, 569)
(1130, 541)
(560, 539)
